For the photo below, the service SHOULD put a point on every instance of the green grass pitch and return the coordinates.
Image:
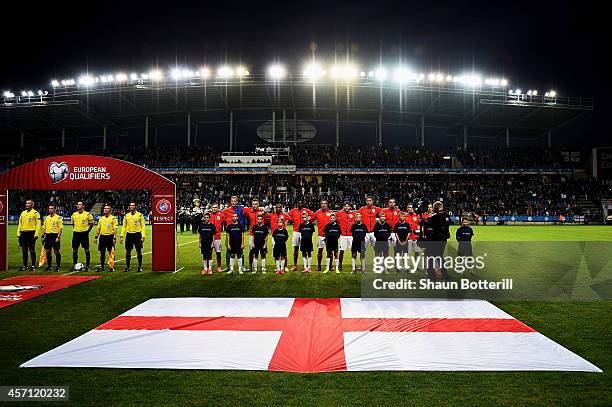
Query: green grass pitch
(35, 326)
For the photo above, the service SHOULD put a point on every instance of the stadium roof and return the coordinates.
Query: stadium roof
(120, 107)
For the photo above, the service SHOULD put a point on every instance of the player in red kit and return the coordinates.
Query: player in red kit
(346, 219)
(218, 219)
(369, 214)
(322, 218)
(229, 213)
(295, 217)
(251, 214)
(413, 219)
(393, 215)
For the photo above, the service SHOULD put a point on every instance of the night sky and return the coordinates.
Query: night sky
(537, 44)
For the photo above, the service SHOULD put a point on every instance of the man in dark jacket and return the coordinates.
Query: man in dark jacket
(437, 227)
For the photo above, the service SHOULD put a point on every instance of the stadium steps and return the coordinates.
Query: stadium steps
(96, 208)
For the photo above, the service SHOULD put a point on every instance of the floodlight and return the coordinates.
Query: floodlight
(276, 71)
(344, 72)
(241, 71)
(121, 77)
(225, 72)
(86, 80)
(402, 75)
(381, 74)
(156, 75)
(313, 72)
(55, 83)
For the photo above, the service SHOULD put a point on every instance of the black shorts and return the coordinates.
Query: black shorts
(401, 249)
(80, 239)
(133, 240)
(279, 251)
(464, 248)
(206, 249)
(258, 250)
(105, 242)
(381, 248)
(50, 241)
(306, 247)
(26, 239)
(358, 246)
(331, 245)
(235, 250)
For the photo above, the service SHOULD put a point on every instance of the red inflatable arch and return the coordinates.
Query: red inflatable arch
(89, 172)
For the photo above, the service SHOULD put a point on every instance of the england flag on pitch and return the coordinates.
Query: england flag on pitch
(315, 335)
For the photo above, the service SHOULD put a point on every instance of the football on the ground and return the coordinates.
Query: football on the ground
(78, 267)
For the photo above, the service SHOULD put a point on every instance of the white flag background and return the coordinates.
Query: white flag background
(315, 335)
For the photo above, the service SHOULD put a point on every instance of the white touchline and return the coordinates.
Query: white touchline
(121, 260)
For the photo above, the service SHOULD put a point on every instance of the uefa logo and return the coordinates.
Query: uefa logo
(58, 171)
(163, 206)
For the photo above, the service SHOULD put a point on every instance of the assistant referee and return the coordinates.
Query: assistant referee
(134, 231)
(27, 233)
(106, 235)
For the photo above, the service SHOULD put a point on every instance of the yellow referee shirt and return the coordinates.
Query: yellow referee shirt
(53, 224)
(107, 225)
(29, 221)
(133, 223)
(81, 221)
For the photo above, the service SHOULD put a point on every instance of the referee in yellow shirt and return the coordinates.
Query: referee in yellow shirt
(106, 235)
(27, 233)
(134, 231)
(82, 223)
(53, 226)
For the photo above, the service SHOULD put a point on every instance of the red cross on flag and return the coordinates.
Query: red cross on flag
(314, 335)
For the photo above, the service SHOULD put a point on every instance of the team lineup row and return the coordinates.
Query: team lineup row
(337, 232)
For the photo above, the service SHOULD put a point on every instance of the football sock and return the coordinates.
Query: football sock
(24, 256)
